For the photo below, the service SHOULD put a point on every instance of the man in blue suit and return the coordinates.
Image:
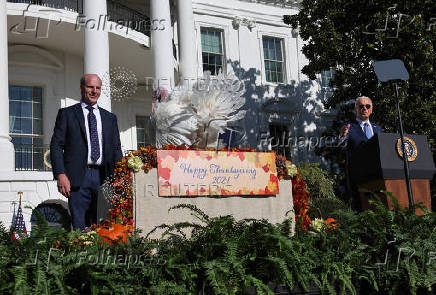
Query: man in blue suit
(84, 149)
(353, 135)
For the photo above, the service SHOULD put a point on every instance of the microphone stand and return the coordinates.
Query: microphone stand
(403, 148)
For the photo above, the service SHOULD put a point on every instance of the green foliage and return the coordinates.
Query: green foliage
(324, 208)
(347, 35)
(318, 182)
(387, 252)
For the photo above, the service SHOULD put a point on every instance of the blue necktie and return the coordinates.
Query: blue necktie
(93, 135)
(367, 129)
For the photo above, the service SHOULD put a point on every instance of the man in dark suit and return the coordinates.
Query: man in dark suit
(353, 136)
(84, 149)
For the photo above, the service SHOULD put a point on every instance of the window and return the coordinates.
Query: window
(326, 77)
(326, 89)
(212, 50)
(25, 126)
(143, 137)
(279, 139)
(273, 59)
(56, 215)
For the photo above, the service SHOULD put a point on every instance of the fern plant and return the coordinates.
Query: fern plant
(383, 251)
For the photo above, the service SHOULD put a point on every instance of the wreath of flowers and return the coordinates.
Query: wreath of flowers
(145, 158)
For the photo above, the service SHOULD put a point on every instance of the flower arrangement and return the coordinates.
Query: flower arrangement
(84, 238)
(319, 224)
(145, 158)
(291, 168)
(121, 196)
(331, 223)
(135, 163)
(301, 196)
(114, 233)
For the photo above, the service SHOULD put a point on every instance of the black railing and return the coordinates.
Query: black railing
(72, 5)
(117, 12)
(32, 158)
(128, 17)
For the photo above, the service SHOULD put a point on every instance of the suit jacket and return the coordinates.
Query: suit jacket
(69, 148)
(356, 136)
(355, 139)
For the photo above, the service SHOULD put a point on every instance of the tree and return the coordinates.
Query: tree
(346, 35)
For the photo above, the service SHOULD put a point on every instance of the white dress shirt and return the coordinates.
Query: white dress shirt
(96, 112)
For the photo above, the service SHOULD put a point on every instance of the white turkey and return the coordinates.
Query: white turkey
(199, 115)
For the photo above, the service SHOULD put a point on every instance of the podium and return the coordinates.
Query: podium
(377, 165)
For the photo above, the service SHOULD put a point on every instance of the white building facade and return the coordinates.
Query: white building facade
(46, 46)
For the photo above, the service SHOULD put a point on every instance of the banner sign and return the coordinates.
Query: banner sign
(203, 173)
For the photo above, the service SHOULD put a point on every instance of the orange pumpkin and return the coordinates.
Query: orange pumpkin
(114, 234)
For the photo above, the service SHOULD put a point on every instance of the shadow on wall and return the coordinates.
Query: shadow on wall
(294, 105)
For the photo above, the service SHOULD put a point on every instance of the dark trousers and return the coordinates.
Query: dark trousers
(352, 190)
(83, 201)
(356, 204)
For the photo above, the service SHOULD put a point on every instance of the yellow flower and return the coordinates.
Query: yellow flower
(135, 163)
(318, 224)
(292, 169)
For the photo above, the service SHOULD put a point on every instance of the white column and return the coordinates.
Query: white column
(187, 48)
(97, 46)
(7, 155)
(162, 45)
